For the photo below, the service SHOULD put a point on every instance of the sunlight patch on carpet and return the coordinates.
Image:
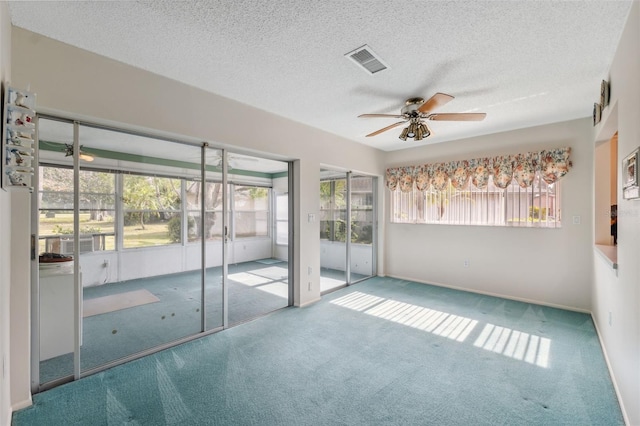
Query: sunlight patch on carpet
(329, 283)
(268, 261)
(358, 301)
(439, 323)
(116, 302)
(515, 344)
(248, 279)
(279, 289)
(273, 272)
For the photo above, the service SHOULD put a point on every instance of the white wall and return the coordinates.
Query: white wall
(20, 300)
(333, 256)
(131, 264)
(5, 243)
(546, 266)
(619, 295)
(73, 82)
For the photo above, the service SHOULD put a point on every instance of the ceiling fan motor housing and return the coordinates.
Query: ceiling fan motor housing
(411, 106)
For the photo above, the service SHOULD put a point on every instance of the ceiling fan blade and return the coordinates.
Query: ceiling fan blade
(384, 129)
(463, 116)
(380, 115)
(437, 100)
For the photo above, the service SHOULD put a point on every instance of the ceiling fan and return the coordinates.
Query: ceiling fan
(416, 111)
(233, 160)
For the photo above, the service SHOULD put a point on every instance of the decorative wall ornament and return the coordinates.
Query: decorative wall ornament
(17, 166)
(597, 113)
(604, 94)
(552, 164)
(598, 108)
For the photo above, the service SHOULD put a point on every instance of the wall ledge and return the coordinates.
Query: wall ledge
(608, 253)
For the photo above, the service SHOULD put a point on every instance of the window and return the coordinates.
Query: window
(333, 209)
(151, 208)
(213, 212)
(535, 206)
(96, 209)
(250, 211)
(362, 210)
(282, 219)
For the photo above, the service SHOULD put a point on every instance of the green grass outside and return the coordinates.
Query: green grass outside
(154, 234)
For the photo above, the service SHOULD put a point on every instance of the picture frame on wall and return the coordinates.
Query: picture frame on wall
(630, 187)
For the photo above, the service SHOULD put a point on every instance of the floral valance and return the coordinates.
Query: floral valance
(552, 165)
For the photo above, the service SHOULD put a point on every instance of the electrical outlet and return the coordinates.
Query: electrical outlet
(309, 285)
(610, 318)
(466, 263)
(309, 270)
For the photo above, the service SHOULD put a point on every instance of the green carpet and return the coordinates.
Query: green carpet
(384, 351)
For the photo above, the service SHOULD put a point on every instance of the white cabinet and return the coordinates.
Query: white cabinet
(18, 139)
(57, 313)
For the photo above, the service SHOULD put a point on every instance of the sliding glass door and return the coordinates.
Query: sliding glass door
(55, 297)
(258, 275)
(347, 228)
(144, 243)
(333, 230)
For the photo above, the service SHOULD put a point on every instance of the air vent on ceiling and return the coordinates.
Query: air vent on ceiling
(367, 59)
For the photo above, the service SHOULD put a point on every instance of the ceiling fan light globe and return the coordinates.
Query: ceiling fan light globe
(412, 130)
(425, 130)
(404, 134)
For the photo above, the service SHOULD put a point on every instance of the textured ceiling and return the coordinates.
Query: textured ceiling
(524, 63)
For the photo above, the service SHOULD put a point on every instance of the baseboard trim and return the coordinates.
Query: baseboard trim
(611, 375)
(20, 405)
(487, 293)
(310, 302)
